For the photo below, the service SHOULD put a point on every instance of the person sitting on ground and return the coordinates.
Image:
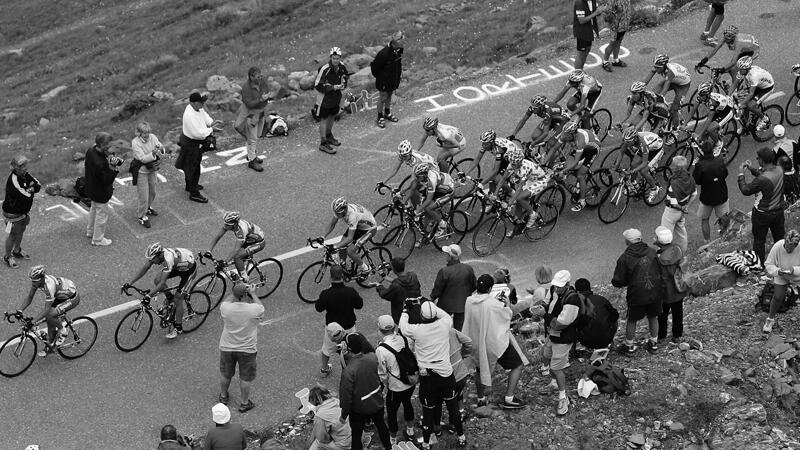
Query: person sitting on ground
(171, 440)
(225, 435)
(328, 432)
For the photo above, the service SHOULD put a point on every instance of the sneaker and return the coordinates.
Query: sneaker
(105, 242)
(607, 67)
(223, 399)
(515, 403)
(10, 262)
(533, 220)
(324, 147)
(579, 206)
(651, 196)
(763, 123)
(619, 63)
(60, 339)
(198, 197)
(710, 42)
(333, 141)
(151, 212)
(651, 346)
(380, 122)
(563, 406)
(144, 221)
(255, 165)
(244, 407)
(462, 440)
(626, 349)
(172, 334)
(20, 254)
(391, 118)
(326, 371)
(768, 325)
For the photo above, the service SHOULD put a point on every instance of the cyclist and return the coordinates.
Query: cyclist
(250, 240)
(527, 179)
(721, 111)
(361, 226)
(587, 92)
(755, 83)
(175, 262)
(60, 296)
(448, 138)
(654, 109)
(436, 189)
(406, 155)
(583, 146)
(676, 78)
(740, 44)
(497, 146)
(646, 149)
(553, 117)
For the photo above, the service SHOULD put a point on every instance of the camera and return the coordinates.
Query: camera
(410, 302)
(115, 160)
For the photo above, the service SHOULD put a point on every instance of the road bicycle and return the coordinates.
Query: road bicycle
(313, 280)
(569, 187)
(389, 215)
(454, 169)
(678, 147)
(600, 122)
(718, 85)
(748, 121)
(793, 104)
(402, 238)
(17, 354)
(135, 327)
(265, 276)
(615, 199)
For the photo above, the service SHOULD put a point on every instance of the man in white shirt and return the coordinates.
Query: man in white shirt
(197, 126)
(399, 392)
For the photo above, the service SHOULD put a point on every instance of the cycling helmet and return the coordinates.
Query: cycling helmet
(339, 205)
(704, 89)
(488, 136)
(629, 135)
(404, 148)
(36, 273)
(515, 156)
(796, 70)
(638, 87)
(744, 63)
(730, 33)
(336, 51)
(430, 123)
(538, 101)
(153, 250)
(230, 218)
(570, 128)
(660, 61)
(421, 169)
(576, 76)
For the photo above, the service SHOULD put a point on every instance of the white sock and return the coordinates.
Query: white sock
(509, 399)
(562, 394)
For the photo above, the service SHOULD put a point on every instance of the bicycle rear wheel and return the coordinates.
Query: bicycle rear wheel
(212, 284)
(548, 214)
(401, 240)
(82, 333)
(731, 143)
(474, 207)
(775, 115)
(452, 234)
(195, 310)
(793, 108)
(488, 236)
(133, 330)
(312, 281)
(404, 183)
(17, 355)
(702, 110)
(266, 276)
(614, 203)
(554, 196)
(595, 188)
(379, 266)
(662, 177)
(463, 189)
(612, 156)
(601, 123)
(386, 217)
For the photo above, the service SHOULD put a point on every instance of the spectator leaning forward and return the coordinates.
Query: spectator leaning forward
(387, 67)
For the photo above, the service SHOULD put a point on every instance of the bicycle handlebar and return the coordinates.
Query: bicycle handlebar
(143, 292)
(316, 242)
(381, 187)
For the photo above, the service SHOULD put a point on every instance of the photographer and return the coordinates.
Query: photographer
(147, 151)
(432, 349)
(101, 168)
(768, 212)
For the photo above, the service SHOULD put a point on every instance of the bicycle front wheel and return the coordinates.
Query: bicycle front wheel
(16, 355)
(312, 281)
(488, 236)
(553, 196)
(195, 310)
(133, 330)
(775, 115)
(548, 217)
(82, 335)
(266, 275)
(731, 143)
(379, 266)
(793, 108)
(614, 203)
(212, 284)
(386, 217)
(401, 240)
(474, 207)
(601, 123)
(454, 231)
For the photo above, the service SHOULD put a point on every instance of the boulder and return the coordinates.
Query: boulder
(224, 102)
(52, 93)
(44, 122)
(161, 95)
(754, 413)
(307, 82)
(483, 411)
(360, 79)
(676, 426)
(535, 23)
(710, 279)
(357, 61)
(698, 358)
(293, 84)
(298, 75)
(221, 83)
(728, 377)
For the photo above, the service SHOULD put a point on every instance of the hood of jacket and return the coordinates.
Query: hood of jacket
(408, 281)
(669, 254)
(479, 298)
(637, 250)
(329, 410)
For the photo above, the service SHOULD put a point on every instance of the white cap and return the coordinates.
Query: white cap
(221, 414)
(453, 250)
(561, 278)
(779, 131)
(632, 235)
(428, 310)
(663, 235)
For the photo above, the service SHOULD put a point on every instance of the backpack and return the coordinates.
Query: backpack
(765, 297)
(609, 379)
(585, 314)
(406, 361)
(680, 279)
(600, 328)
(275, 126)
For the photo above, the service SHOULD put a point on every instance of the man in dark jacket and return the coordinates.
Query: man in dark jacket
(101, 168)
(360, 391)
(669, 257)
(251, 117)
(680, 193)
(454, 283)
(768, 212)
(339, 303)
(404, 285)
(709, 174)
(584, 28)
(331, 80)
(638, 269)
(20, 187)
(600, 331)
(387, 67)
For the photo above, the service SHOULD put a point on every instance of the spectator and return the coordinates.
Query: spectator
(669, 257)
(437, 384)
(454, 283)
(460, 350)
(240, 313)
(225, 435)
(171, 440)
(791, 180)
(768, 211)
(600, 331)
(339, 303)
(360, 391)
(681, 191)
(251, 117)
(541, 293)
(147, 151)
(716, 14)
(782, 145)
(387, 67)
(584, 28)
(101, 168)
(197, 126)
(402, 285)
(398, 392)
(618, 18)
(562, 333)
(331, 80)
(20, 187)
(783, 265)
(329, 433)
(488, 323)
(638, 269)
(710, 173)
(502, 283)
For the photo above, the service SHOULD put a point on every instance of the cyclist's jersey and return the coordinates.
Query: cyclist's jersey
(501, 147)
(585, 139)
(248, 233)
(177, 259)
(417, 157)
(723, 101)
(649, 101)
(528, 171)
(551, 112)
(437, 181)
(647, 143)
(589, 85)
(682, 77)
(744, 43)
(57, 288)
(359, 218)
(757, 77)
(448, 133)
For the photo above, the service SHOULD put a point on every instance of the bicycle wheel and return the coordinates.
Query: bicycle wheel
(614, 203)
(16, 355)
(595, 188)
(312, 281)
(401, 240)
(195, 311)
(386, 216)
(702, 110)
(608, 160)
(793, 108)
(452, 234)
(462, 165)
(81, 338)
(266, 276)
(601, 123)
(549, 217)
(554, 196)
(474, 207)
(488, 236)
(731, 142)
(133, 330)
(662, 177)
(212, 284)
(775, 115)
(404, 183)
(379, 266)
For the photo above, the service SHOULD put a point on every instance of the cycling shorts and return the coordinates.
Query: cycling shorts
(588, 155)
(591, 98)
(359, 236)
(761, 92)
(723, 116)
(66, 304)
(254, 247)
(184, 275)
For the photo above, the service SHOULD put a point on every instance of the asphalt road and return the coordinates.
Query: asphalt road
(112, 399)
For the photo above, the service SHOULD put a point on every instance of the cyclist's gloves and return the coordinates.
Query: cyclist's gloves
(125, 287)
(511, 137)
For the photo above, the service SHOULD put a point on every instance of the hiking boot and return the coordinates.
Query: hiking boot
(244, 407)
(607, 67)
(333, 141)
(652, 346)
(626, 349)
(651, 196)
(579, 206)
(10, 262)
(619, 63)
(144, 221)
(326, 371)
(255, 165)
(768, 325)
(325, 147)
(515, 403)
(563, 406)
(20, 254)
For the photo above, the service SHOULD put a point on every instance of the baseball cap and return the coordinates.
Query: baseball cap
(385, 322)
(485, 283)
(779, 131)
(197, 97)
(220, 414)
(663, 235)
(632, 235)
(561, 278)
(428, 310)
(335, 331)
(453, 250)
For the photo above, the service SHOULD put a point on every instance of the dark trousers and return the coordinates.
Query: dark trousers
(191, 162)
(763, 222)
(458, 321)
(677, 319)
(357, 422)
(433, 390)
(393, 402)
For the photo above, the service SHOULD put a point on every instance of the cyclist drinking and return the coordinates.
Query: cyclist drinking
(527, 179)
(645, 149)
(448, 138)
(553, 117)
(587, 92)
(740, 44)
(249, 237)
(436, 189)
(676, 78)
(175, 262)
(654, 109)
(582, 146)
(755, 83)
(361, 226)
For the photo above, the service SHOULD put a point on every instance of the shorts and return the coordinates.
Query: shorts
(328, 346)
(704, 211)
(591, 98)
(583, 46)
(64, 305)
(19, 222)
(327, 111)
(654, 157)
(639, 312)
(723, 117)
(357, 235)
(588, 155)
(558, 354)
(761, 92)
(680, 92)
(618, 36)
(510, 358)
(535, 187)
(184, 275)
(246, 362)
(255, 247)
(719, 8)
